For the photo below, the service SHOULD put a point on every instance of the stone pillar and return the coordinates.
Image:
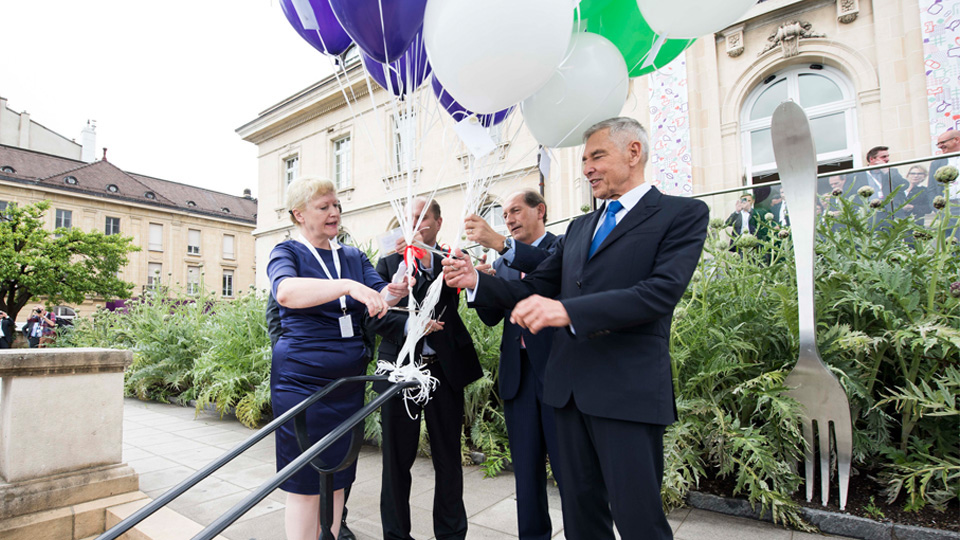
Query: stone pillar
(61, 421)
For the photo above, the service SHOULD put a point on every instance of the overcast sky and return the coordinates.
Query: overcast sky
(167, 82)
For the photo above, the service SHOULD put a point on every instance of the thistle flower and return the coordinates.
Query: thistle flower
(939, 202)
(866, 192)
(716, 223)
(747, 241)
(837, 192)
(768, 217)
(784, 234)
(946, 174)
(955, 289)
(876, 203)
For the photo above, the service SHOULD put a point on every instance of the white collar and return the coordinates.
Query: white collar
(632, 197)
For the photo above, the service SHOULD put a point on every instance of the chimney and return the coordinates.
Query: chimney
(104, 153)
(88, 142)
(247, 194)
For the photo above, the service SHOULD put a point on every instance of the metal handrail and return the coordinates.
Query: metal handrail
(174, 492)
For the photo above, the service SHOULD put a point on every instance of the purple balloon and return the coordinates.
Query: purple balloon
(384, 39)
(459, 112)
(406, 74)
(330, 38)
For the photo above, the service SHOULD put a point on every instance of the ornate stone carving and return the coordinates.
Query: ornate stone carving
(788, 37)
(734, 38)
(847, 10)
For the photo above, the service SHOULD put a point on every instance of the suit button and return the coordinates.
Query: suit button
(578, 284)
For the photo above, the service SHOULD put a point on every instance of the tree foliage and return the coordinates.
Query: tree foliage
(64, 266)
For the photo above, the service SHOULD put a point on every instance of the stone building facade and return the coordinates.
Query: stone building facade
(190, 238)
(868, 72)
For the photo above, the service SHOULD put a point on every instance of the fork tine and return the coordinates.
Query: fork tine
(843, 436)
(808, 449)
(823, 427)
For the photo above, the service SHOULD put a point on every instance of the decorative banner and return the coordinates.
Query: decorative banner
(670, 129)
(940, 21)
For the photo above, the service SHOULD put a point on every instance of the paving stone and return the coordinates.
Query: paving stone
(208, 511)
(226, 440)
(701, 524)
(165, 478)
(251, 477)
(269, 526)
(150, 464)
(195, 458)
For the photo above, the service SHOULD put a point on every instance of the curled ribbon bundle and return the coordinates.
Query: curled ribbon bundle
(416, 253)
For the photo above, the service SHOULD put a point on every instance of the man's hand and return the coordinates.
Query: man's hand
(433, 326)
(459, 272)
(484, 267)
(479, 231)
(537, 312)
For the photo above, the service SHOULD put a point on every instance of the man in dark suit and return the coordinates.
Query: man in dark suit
(885, 183)
(948, 143)
(523, 358)
(744, 214)
(449, 356)
(7, 331)
(610, 289)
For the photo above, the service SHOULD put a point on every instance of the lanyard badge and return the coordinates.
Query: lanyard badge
(346, 322)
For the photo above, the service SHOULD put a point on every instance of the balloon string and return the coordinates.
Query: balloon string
(651, 55)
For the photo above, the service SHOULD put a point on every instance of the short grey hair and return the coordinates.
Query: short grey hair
(305, 189)
(624, 130)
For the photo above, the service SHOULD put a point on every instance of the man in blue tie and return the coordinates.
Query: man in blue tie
(610, 288)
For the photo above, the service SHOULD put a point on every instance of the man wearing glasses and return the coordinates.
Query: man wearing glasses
(948, 143)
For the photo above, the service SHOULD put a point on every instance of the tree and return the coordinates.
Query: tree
(64, 266)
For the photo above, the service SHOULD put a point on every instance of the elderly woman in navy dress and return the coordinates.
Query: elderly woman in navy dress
(323, 290)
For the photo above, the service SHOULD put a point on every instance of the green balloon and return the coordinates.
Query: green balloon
(620, 21)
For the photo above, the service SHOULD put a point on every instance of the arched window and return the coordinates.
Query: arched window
(827, 97)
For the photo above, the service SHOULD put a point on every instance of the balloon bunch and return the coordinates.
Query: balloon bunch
(566, 64)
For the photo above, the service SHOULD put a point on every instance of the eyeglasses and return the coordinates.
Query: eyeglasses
(915, 173)
(941, 144)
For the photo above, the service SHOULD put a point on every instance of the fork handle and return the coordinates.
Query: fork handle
(800, 186)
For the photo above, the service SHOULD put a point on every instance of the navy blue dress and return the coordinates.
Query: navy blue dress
(311, 353)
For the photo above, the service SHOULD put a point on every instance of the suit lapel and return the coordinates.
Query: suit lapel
(645, 208)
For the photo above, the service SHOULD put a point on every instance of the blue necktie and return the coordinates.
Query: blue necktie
(609, 222)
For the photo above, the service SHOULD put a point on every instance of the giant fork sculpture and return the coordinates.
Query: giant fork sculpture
(818, 391)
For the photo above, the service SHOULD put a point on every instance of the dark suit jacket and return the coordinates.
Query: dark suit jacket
(735, 220)
(776, 215)
(620, 303)
(889, 178)
(921, 200)
(935, 188)
(526, 259)
(453, 344)
(8, 331)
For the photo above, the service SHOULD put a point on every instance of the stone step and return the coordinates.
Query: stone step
(67, 523)
(164, 524)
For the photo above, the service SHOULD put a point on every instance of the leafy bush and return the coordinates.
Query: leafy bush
(887, 326)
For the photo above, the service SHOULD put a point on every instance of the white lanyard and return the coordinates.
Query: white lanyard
(336, 264)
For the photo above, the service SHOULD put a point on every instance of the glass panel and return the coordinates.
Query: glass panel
(817, 90)
(829, 133)
(761, 145)
(768, 100)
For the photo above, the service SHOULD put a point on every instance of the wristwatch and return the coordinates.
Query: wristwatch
(507, 245)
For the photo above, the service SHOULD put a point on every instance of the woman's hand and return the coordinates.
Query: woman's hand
(375, 302)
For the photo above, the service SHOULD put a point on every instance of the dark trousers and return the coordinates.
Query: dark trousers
(34, 342)
(612, 471)
(4, 344)
(533, 435)
(401, 435)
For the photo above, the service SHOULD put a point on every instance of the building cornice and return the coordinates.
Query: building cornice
(322, 98)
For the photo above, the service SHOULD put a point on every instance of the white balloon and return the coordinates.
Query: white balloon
(590, 85)
(692, 18)
(491, 54)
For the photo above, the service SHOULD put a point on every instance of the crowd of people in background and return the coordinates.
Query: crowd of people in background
(891, 194)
